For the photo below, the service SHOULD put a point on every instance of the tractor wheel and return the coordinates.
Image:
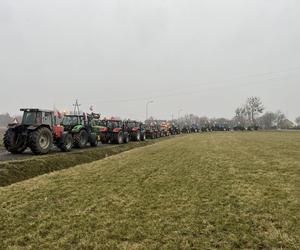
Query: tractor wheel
(93, 140)
(40, 141)
(143, 137)
(67, 143)
(81, 139)
(104, 141)
(119, 138)
(13, 142)
(138, 136)
(126, 138)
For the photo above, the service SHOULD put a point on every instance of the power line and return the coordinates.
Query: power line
(210, 86)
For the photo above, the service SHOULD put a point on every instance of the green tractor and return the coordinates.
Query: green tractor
(38, 131)
(78, 126)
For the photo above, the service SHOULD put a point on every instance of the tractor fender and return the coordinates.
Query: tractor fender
(117, 130)
(77, 128)
(13, 126)
(32, 127)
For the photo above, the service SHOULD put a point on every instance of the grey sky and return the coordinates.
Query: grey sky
(205, 57)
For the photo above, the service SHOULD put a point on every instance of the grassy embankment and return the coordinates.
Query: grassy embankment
(23, 169)
(2, 131)
(219, 190)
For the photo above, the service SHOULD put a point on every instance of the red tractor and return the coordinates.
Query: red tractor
(38, 131)
(136, 130)
(113, 131)
(153, 130)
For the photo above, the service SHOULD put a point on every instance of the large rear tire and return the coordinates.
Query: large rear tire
(40, 141)
(67, 143)
(14, 142)
(81, 139)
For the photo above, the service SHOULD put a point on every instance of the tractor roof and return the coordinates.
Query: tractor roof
(73, 115)
(112, 120)
(36, 110)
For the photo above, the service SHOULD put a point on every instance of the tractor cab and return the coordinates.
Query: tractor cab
(37, 117)
(71, 121)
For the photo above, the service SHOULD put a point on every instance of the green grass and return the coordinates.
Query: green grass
(19, 170)
(2, 131)
(205, 191)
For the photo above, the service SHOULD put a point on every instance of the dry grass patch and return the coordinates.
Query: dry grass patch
(206, 191)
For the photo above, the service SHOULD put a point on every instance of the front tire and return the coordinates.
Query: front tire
(137, 136)
(126, 138)
(67, 143)
(40, 141)
(119, 138)
(93, 140)
(81, 139)
(143, 137)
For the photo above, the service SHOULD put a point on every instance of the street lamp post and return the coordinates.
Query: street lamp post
(147, 104)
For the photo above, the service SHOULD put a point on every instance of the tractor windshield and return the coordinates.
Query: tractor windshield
(71, 121)
(133, 124)
(112, 124)
(30, 117)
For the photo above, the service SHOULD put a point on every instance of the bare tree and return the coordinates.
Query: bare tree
(280, 118)
(297, 120)
(240, 118)
(267, 121)
(253, 108)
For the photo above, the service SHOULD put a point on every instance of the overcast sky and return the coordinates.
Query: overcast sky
(204, 57)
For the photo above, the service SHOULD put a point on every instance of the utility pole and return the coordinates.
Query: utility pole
(76, 108)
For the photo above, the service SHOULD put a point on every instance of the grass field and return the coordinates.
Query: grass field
(2, 131)
(204, 191)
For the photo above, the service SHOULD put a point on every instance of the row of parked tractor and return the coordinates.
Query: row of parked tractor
(40, 130)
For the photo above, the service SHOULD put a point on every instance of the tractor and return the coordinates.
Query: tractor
(153, 130)
(80, 129)
(114, 131)
(174, 129)
(165, 128)
(136, 130)
(195, 128)
(186, 129)
(38, 131)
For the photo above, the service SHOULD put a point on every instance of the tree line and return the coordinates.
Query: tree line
(251, 115)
